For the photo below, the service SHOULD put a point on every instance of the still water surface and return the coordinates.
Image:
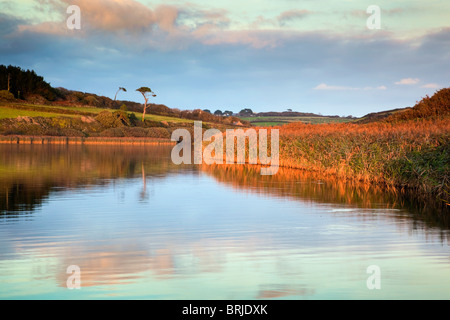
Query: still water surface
(140, 227)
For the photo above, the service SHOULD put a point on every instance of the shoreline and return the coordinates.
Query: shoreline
(41, 140)
(420, 190)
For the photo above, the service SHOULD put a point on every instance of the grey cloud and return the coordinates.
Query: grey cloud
(8, 24)
(290, 15)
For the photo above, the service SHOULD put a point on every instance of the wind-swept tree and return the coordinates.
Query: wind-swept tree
(120, 89)
(146, 92)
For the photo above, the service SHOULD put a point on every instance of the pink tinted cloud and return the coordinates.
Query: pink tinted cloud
(166, 17)
(115, 15)
(111, 16)
(408, 81)
(130, 18)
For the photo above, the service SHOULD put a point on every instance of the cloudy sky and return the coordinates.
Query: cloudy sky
(309, 55)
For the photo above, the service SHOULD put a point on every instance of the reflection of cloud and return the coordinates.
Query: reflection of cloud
(110, 265)
(117, 264)
(123, 262)
(278, 291)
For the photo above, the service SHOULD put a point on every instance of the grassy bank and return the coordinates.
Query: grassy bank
(412, 155)
(82, 140)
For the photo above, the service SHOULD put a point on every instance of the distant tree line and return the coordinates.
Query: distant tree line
(23, 83)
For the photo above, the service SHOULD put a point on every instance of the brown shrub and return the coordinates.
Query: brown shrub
(5, 95)
(112, 132)
(158, 133)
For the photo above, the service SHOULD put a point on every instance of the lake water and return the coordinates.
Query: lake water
(140, 227)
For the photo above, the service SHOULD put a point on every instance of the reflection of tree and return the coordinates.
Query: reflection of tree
(21, 197)
(30, 172)
(144, 194)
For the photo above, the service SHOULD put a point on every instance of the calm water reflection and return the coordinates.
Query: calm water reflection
(140, 227)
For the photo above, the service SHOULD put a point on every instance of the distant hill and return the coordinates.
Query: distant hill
(379, 116)
(273, 118)
(438, 105)
(289, 114)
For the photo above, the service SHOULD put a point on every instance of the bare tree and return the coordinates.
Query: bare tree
(145, 91)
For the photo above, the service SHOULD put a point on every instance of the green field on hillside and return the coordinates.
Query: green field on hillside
(14, 110)
(277, 121)
(10, 113)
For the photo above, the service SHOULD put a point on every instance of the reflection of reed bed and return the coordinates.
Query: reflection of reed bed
(303, 184)
(313, 186)
(410, 155)
(87, 140)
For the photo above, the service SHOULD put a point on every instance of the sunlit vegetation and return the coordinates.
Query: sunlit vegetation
(405, 150)
(35, 120)
(10, 113)
(373, 153)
